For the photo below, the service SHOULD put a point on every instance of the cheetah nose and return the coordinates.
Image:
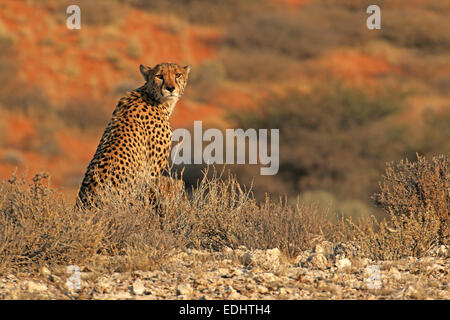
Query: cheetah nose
(170, 89)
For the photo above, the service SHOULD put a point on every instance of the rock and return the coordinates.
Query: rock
(138, 287)
(394, 274)
(184, 289)
(33, 287)
(410, 292)
(232, 293)
(266, 259)
(262, 289)
(45, 272)
(104, 285)
(268, 277)
(121, 295)
(343, 263)
(301, 259)
(317, 261)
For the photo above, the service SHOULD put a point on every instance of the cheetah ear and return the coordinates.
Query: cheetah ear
(145, 70)
(187, 68)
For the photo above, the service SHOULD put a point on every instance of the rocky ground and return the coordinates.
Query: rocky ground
(328, 271)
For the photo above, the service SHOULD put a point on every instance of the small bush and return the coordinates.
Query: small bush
(15, 94)
(418, 189)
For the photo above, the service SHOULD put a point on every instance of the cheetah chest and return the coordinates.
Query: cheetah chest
(158, 139)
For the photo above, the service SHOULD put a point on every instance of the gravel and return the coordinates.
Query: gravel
(328, 271)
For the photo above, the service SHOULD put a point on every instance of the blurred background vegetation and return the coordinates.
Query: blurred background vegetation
(346, 99)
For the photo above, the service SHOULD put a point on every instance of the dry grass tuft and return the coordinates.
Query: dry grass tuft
(129, 230)
(38, 228)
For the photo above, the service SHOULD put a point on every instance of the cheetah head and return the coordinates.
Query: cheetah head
(166, 82)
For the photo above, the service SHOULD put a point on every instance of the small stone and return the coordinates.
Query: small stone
(394, 274)
(103, 285)
(282, 291)
(32, 286)
(232, 293)
(410, 292)
(317, 261)
(184, 289)
(268, 277)
(138, 287)
(343, 263)
(121, 295)
(45, 272)
(266, 259)
(262, 289)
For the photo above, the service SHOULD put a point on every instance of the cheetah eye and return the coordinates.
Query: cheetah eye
(159, 76)
(177, 75)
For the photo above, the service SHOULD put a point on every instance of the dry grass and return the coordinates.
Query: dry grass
(37, 227)
(130, 230)
(397, 237)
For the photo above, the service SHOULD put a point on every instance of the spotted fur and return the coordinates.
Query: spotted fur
(138, 137)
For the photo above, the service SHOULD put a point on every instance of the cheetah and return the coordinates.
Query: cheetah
(137, 139)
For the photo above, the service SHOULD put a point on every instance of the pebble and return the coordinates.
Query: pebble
(184, 289)
(343, 263)
(33, 286)
(138, 287)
